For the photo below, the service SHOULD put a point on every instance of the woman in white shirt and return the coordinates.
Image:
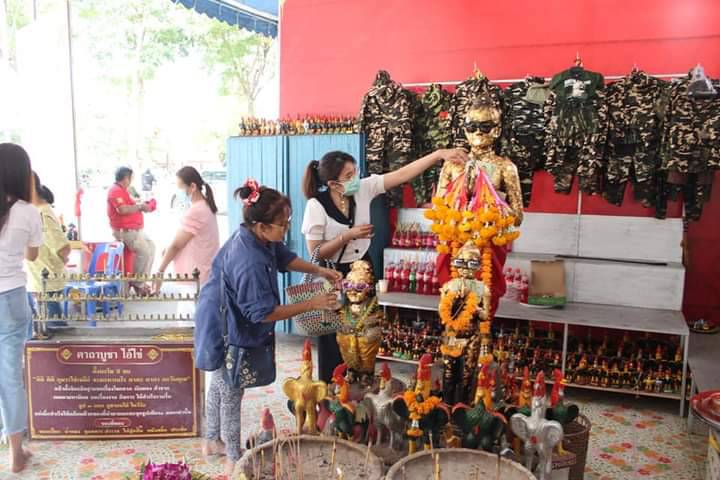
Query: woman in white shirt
(20, 238)
(337, 217)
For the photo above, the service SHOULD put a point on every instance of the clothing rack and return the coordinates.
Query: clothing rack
(515, 80)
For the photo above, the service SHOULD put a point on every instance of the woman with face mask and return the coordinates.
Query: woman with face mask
(337, 217)
(198, 240)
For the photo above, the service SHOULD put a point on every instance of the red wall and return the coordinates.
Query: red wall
(331, 50)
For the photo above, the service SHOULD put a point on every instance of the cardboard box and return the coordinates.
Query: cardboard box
(547, 283)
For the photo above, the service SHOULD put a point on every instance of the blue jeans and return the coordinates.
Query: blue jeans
(15, 317)
(54, 309)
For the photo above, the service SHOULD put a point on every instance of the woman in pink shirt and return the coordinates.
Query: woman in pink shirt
(198, 240)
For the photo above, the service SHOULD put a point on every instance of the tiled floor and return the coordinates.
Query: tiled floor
(631, 438)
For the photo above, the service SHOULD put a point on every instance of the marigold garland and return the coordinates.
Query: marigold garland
(460, 321)
(419, 409)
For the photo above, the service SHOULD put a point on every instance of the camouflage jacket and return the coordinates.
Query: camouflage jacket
(636, 109)
(691, 138)
(386, 117)
(576, 114)
(465, 94)
(523, 139)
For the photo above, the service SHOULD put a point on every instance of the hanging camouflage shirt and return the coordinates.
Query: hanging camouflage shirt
(523, 139)
(690, 152)
(386, 117)
(465, 94)
(431, 132)
(576, 112)
(636, 110)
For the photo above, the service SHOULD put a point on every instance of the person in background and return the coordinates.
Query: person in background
(148, 181)
(337, 218)
(53, 255)
(20, 239)
(250, 261)
(127, 223)
(198, 239)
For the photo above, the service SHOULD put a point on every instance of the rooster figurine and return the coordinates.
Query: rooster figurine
(266, 433)
(305, 394)
(540, 436)
(481, 426)
(425, 413)
(558, 411)
(383, 416)
(342, 409)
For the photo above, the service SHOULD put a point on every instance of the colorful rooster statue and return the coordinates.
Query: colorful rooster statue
(558, 411)
(481, 426)
(539, 435)
(384, 418)
(267, 430)
(425, 413)
(305, 394)
(341, 407)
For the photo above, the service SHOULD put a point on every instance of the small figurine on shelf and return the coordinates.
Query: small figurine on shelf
(360, 334)
(605, 375)
(615, 375)
(595, 373)
(649, 382)
(668, 383)
(525, 397)
(658, 386)
(626, 376)
(304, 394)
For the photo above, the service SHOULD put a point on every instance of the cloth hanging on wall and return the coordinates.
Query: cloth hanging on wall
(523, 139)
(386, 117)
(636, 111)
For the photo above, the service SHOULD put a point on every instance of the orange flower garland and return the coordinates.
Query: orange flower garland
(419, 409)
(460, 321)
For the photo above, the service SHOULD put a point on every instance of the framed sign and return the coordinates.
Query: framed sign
(113, 390)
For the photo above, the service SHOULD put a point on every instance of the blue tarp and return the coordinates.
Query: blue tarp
(259, 16)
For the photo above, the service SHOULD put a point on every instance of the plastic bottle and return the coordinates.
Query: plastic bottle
(524, 289)
(389, 274)
(509, 277)
(435, 282)
(421, 279)
(427, 279)
(397, 277)
(517, 284)
(412, 279)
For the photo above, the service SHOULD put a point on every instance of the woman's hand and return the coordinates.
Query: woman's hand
(332, 276)
(157, 284)
(360, 231)
(453, 155)
(326, 301)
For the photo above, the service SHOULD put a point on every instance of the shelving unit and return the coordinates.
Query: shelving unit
(665, 322)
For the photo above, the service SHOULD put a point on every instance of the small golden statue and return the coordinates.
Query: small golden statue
(305, 394)
(466, 339)
(360, 335)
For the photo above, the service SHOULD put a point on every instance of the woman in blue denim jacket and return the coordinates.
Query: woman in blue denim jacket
(20, 238)
(250, 260)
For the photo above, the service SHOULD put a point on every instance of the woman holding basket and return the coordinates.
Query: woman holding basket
(238, 308)
(337, 218)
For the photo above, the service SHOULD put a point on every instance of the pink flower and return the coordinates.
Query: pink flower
(644, 471)
(664, 460)
(167, 471)
(626, 445)
(605, 456)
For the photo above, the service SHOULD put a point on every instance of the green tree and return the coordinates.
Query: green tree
(13, 16)
(132, 39)
(244, 60)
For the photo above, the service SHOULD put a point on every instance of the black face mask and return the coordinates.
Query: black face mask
(484, 127)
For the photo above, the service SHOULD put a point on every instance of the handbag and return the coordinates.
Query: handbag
(245, 367)
(315, 322)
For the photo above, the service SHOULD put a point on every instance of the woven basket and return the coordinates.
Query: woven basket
(576, 440)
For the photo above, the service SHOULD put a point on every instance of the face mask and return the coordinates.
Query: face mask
(182, 198)
(352, 186)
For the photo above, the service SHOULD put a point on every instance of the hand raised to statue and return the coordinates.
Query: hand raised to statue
(453, 155)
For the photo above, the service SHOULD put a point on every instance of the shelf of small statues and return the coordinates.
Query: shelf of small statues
(114, 318)
(310, 125)
(163, 297)
(86, 277)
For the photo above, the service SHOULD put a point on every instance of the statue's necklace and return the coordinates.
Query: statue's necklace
(359, 323)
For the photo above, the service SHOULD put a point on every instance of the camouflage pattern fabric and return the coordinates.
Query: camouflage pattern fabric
(690, 151)
(386, 117)
(636, 110)
(465, 94)
(577, 116)
(523, 138)
(431, 132)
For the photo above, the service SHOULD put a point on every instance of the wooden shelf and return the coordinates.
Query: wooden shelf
(402, 360)
(639, 393)
(667, 322)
